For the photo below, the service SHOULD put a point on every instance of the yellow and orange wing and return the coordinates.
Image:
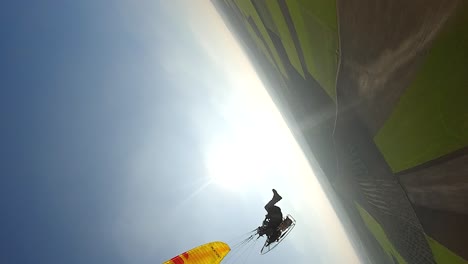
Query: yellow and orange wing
(211, 253)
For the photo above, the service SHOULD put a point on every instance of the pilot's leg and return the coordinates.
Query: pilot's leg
(276, 198)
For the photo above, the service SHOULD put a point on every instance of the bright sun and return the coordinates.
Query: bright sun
(234, 166)
(242, 159)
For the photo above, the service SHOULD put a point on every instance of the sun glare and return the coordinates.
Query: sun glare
(233, 165)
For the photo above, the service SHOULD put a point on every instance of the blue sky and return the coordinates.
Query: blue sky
(132, 132)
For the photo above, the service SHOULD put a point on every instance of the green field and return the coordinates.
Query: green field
(441, 254)
(253, 35)
(431, 118)
(248, 10)
(379, 233)
(285, 35)
(314, 24)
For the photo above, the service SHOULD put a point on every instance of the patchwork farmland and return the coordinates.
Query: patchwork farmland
(377, 91)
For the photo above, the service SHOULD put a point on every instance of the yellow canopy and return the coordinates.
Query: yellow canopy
(211, 253)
